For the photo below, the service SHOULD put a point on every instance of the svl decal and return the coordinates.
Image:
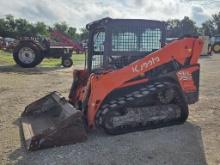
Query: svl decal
(184, 75)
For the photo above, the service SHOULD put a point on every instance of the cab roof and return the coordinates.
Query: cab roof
(110, 21)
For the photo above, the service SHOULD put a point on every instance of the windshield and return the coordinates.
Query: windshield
(123, 45)
(98, 50)
(145, 40)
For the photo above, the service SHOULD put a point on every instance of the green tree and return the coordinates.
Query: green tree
(9, 26)
(208, 28)
(41, 28)
(84, 34)
(188, 27)
(72, 32)
(24, 28)
(178, 28)
(216, 22)
(2, 28)
(62, 27)
(173, 28)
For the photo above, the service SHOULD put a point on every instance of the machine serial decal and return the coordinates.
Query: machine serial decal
(184, 75)
(145, 65)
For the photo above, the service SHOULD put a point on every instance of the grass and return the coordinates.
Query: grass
(6, 58)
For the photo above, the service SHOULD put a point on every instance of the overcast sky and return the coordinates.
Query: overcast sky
(77, 13)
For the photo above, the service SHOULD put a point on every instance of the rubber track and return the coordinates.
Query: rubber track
(129, 99)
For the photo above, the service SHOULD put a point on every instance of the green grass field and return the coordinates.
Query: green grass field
(7, 59)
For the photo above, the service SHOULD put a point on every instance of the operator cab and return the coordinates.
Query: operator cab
(115, 43)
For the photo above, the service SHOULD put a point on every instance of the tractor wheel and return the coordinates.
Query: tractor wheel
(67, 62)
(27, 55)
(216, 48)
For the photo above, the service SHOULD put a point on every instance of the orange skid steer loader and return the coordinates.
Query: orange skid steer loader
(132, 81)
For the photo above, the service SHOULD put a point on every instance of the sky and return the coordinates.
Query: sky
(78, 13)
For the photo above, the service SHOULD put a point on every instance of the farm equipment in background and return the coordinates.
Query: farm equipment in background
(30, 52)
(10, 44)
(207, 47)
(132, 82)
(64, 39)
(1, 43)
(7, 44)
(216, 44)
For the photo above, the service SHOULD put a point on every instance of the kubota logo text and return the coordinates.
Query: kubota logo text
(145, 65)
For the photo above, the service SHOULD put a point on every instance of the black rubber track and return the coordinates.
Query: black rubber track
(117, 104)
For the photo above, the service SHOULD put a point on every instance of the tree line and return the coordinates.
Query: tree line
(16, 28)
(19, 27)
(186, 26)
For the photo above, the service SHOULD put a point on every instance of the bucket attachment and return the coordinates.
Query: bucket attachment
(52, 121)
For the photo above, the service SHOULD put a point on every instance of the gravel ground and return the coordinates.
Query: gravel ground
(197, 142)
